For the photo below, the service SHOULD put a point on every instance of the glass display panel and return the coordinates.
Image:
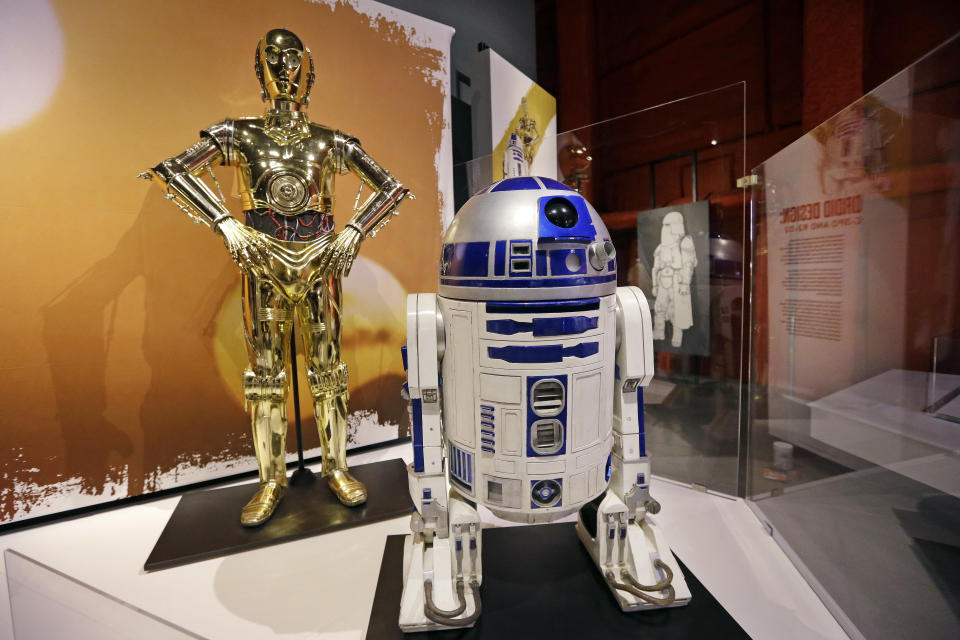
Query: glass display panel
(680, 159)
(46, 603)
(853, 359)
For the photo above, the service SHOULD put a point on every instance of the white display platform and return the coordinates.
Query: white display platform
(882, 420)
(323, 587)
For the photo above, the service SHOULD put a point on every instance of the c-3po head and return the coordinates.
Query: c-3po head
(284, 67)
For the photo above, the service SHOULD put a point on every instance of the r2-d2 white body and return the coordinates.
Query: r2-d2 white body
(525, 377)
(514, 159)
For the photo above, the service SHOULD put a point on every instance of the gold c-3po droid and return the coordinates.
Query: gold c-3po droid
(289, 256)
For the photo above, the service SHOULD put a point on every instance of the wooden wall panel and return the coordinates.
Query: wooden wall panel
(633, 30)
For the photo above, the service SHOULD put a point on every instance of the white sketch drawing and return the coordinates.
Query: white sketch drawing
(674, 260)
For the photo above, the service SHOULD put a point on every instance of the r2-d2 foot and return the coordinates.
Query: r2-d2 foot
(441, 565)
(632, 555)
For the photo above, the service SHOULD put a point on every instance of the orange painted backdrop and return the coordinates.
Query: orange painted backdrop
(120, 319)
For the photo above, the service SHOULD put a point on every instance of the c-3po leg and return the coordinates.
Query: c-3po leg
(320, 319)
(267, 318)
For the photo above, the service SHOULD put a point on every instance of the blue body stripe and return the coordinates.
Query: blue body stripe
(499, 257)
(417, 406)
(563, 326)
(537, 354)
(403, 354)
(543, 326)
(508, 327)
(544, 306)
(642, 438)
(418, 458)
(529, 283)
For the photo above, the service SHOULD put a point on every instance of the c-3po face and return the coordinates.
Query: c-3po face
(284, 66)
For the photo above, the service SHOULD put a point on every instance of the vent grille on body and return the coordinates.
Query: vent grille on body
(548, 398)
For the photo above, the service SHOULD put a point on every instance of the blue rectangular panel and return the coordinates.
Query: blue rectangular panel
(561, 417)
(558, 262)
(465, 259)
(582, 229)
(499, 258)
(417, 407)
(542, 262)
(521, 258)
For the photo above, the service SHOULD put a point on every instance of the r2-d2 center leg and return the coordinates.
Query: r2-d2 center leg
(627, 546)
(441, 555)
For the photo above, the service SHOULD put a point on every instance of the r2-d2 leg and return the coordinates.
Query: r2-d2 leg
(625, 543)
(441, 557)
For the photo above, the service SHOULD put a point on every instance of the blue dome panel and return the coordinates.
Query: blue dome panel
(550, 183)
(517, 184)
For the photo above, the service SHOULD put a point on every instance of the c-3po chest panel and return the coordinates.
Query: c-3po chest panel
(287, 167)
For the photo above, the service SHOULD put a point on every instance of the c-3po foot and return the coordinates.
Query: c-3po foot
(262, 505)
(349, 490)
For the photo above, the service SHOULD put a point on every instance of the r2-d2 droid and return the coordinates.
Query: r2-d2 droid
(525, 378)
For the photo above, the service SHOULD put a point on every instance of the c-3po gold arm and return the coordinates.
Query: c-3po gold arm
(371, 216)
(179, 178)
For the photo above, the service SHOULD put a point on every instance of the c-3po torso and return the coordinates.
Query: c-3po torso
(291, 260)
(287, 167)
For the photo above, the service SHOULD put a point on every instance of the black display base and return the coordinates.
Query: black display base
(539, 582)
(206, 524)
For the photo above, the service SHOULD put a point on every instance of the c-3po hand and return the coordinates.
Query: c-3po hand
(339, 254)
(247, 250)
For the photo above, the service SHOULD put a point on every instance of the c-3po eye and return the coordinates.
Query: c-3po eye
(291, 59)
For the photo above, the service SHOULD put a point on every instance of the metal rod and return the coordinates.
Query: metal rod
(296, 391)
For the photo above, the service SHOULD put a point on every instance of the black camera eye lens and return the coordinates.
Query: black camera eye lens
(561, 212)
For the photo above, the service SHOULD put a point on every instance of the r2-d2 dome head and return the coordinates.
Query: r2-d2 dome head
(527, 238)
